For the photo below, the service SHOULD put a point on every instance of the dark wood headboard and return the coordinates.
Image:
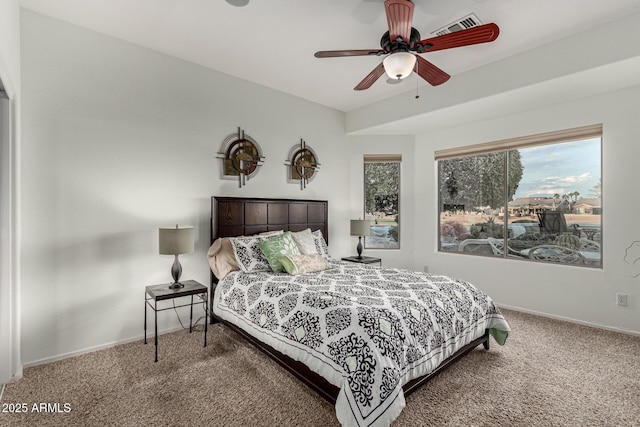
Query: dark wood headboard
(237, 216)
(241, 216)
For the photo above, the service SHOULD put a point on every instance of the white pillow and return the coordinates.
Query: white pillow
(320, 244)
(305, 242)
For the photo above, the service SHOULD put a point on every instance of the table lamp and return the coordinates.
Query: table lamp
(360, 227)
(176, 241)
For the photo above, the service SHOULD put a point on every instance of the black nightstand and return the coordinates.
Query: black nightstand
(363, 260)
(162, 292)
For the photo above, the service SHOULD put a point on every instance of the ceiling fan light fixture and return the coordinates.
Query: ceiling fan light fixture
(399, 65)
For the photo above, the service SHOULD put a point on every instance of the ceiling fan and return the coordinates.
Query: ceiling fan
(402, 39)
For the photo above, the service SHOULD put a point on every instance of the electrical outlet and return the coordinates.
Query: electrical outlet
(621, 299)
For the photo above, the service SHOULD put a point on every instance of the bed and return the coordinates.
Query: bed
(362, 337)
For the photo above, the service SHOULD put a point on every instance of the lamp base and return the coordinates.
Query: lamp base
(176, 272)
(359, 248)
(176, 285)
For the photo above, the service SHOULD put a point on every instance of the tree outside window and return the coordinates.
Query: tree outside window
(532, 198)
(381, 201)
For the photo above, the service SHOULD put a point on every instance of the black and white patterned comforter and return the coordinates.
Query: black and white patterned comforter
(366, 330)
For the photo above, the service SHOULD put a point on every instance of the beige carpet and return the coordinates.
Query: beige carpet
(550, 373)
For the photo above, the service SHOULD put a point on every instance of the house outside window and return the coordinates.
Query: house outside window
(382, 200)
(536, 198)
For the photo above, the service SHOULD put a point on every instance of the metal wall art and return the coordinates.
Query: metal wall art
(302, 164)
(241, 155)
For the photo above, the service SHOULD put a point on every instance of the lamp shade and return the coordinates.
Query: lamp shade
(399, 65)
(176, 240)
(360, 227)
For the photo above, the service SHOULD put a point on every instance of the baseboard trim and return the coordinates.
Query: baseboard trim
(570, 320)
(97, 348)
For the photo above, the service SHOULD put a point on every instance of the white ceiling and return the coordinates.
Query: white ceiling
(272, 42)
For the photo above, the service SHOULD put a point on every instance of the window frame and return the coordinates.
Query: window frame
(383, 158)
(506, 146)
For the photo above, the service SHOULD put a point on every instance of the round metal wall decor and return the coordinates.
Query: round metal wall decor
(241, 156)
(302, 164)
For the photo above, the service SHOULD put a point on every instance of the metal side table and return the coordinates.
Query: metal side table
(162, 292)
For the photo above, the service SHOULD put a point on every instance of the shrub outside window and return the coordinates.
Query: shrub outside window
(533, 198)
(382, 200)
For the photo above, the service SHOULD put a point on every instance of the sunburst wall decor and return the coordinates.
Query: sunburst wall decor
(241, 156)
(302, 164)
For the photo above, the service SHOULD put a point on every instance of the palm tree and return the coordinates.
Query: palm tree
(571, 199)
(574, 196)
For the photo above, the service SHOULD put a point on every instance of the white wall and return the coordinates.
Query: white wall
(119, 140)
(10, 364)
(10, 44)
(582, 294)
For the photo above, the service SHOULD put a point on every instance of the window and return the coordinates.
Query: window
(532, 198)
(382, 200)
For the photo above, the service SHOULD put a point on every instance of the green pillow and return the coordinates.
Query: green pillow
(278, 246)
(299, 264)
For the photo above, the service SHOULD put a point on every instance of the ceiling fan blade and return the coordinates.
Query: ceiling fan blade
(339, 53)
(481, 34)
(432, 74)
(399, 19)
(371, 78)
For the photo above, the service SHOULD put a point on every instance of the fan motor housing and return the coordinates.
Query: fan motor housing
(399, 45)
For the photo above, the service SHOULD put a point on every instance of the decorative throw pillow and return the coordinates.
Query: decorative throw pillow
(300, 264)
(321, 244)
(306, 243)
(278, 246)
(222, 258)
(248, 254)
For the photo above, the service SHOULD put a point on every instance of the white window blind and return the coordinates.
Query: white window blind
(575, 134)
(382, 158)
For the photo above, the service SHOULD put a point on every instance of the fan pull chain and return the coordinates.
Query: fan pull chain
(417, 80)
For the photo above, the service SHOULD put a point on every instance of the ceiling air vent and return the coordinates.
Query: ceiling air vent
(465, 23)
